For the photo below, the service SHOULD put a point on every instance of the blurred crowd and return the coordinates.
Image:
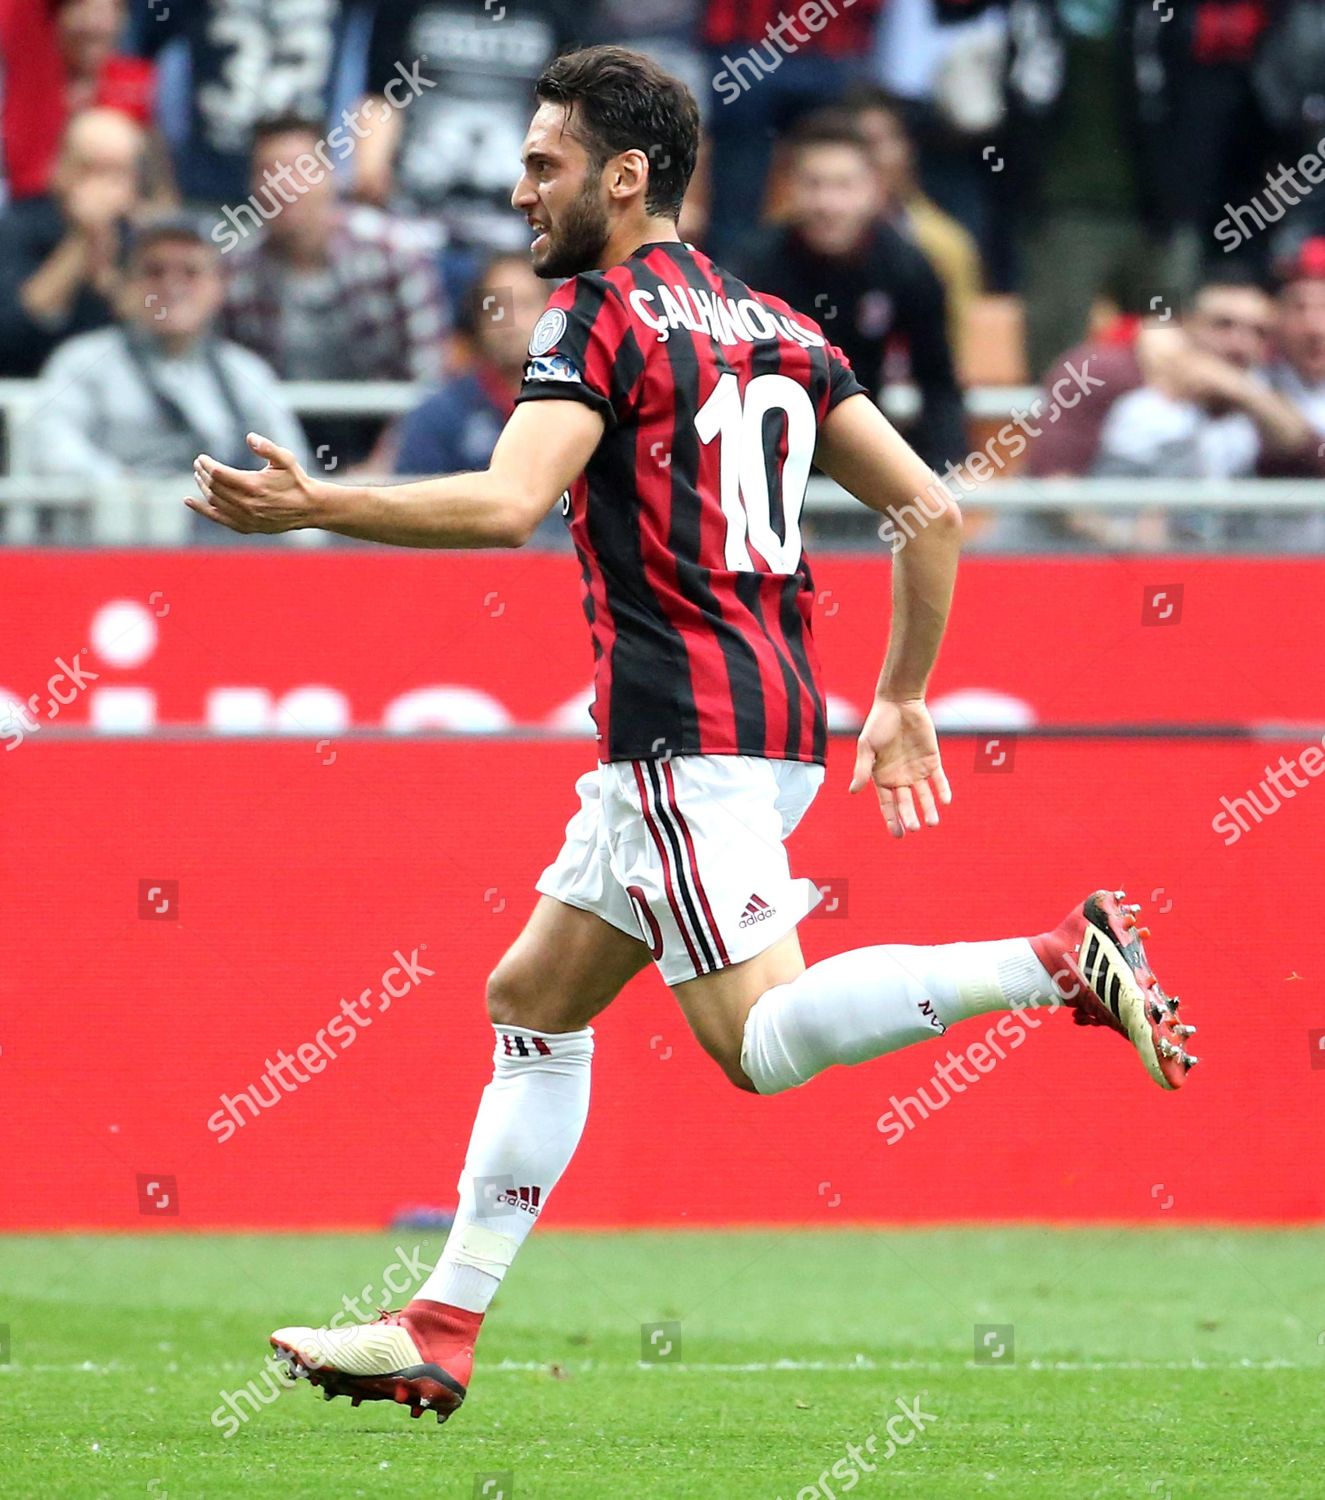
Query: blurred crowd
(206, 199)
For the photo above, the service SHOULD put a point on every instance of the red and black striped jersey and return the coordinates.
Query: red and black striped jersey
(687, 517)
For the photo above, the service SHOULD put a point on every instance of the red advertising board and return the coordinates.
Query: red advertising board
(178, 914)
(321, 641)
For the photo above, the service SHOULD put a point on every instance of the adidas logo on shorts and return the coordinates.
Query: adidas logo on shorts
(756, 910)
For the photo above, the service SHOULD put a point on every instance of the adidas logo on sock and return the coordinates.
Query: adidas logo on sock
(525, 1198)
(756, 910)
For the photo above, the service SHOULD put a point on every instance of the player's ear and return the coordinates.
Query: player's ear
(629, 175)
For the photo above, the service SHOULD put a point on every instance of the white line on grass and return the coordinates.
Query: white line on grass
(767, 1367)
(935, 1367)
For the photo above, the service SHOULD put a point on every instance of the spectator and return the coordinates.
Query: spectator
(1064, 439)
(1217, 137)
(61, 58)
(225, 65)
(1092, 222)
(328, 290)
(1126, 131)
(456, 428)
(453, 151)
(947, 76)
(1205, 411)
(59, 254)
(1127, 354)
(147, 394)
(1160, 401)
(1298, 372)
(1286, 77)
(768, 69)
(1110, 362)
(868, 286)
(947, 245)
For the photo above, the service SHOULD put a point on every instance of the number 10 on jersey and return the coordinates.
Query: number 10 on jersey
(736, 423)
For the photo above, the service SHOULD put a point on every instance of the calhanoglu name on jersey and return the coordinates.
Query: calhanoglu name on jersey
(730, 320)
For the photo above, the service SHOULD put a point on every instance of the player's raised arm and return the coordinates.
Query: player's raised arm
(541, 451)
(898, 749)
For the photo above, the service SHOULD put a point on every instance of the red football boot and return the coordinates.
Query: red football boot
(1100, 969)
(421, 1357)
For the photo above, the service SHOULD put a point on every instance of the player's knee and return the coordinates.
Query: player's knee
(737, 1077)
(521, 993)
(513, 998)
(729, 1061)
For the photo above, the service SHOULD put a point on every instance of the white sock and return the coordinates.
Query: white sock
(528, 1125)
(871, 1001)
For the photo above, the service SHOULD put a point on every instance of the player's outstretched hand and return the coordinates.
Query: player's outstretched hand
(898, 750)
(277, 498)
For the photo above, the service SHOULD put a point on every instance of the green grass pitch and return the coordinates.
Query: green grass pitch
(1141, 1363)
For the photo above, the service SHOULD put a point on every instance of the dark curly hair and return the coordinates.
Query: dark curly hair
(621, 100)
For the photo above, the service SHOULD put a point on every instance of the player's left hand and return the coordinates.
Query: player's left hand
(898, 750)
(277, 498)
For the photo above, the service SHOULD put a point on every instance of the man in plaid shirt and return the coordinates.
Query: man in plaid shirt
(328, 290)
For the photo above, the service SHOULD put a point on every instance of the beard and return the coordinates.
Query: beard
(576, 244)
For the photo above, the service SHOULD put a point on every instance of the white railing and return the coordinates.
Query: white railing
(118, 511)
(1023, 494)
(989, 403)
(108, 512)
(389, 398)
(392, 398)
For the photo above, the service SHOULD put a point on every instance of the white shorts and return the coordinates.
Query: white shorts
(687, 854)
